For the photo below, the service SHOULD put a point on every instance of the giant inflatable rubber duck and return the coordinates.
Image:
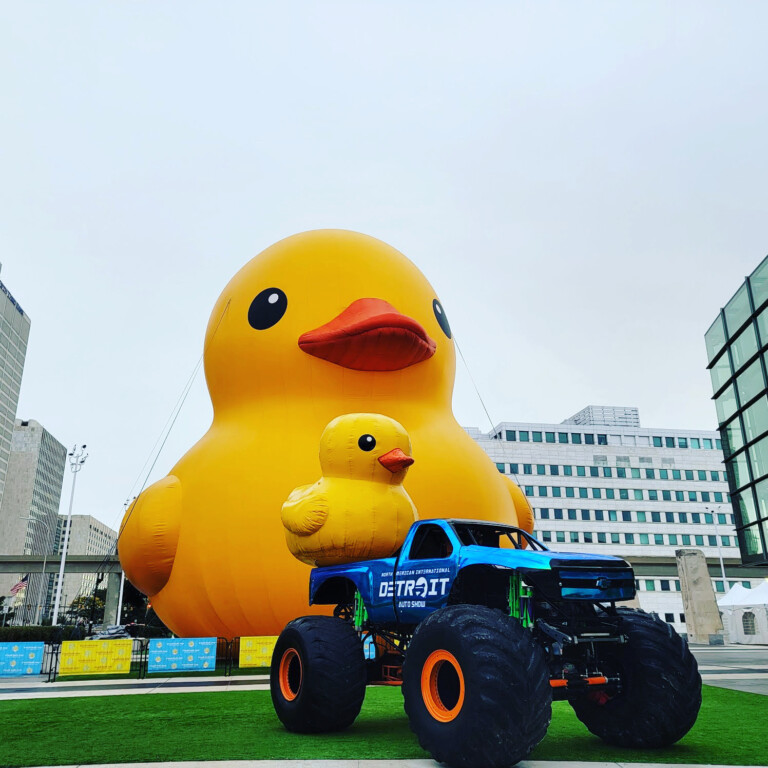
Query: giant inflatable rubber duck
(358, 509)
(318, 325)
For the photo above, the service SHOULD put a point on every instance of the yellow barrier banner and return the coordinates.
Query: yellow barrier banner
(95, 657)
(256, 651)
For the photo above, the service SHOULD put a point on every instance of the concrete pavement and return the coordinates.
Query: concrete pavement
(738, 667)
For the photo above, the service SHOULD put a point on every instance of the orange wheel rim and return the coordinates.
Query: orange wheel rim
(442, 686)
(290, 674)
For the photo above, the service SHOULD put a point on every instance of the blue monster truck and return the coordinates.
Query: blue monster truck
(484, 626)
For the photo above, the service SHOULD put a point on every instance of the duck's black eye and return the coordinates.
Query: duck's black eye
(442, 320)
(267, 308)
(367, 443)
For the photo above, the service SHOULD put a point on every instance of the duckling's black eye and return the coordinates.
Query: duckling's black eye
(267, 308)
(367, 443)
(440, 315)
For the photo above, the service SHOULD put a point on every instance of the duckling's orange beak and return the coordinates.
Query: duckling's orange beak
(370, 335)
(395, 460)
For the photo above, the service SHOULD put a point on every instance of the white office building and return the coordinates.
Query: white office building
(597, 484)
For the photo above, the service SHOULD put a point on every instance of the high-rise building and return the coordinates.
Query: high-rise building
(87, 536)
(14, 334)
(30, 505)
(737, 350)
(622, 490)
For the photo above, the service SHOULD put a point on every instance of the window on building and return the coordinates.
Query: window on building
(707, 443)
(528, 490)
(609, 493)
(638, 494)
(558, 514)
(725, 541)
(635, 473)
(561, 537)
(514, 468)
(556, 491)
(599, 514)
(594, 471)
(719, 444)
(585, 515)
(663, 474)
(621, 472)
(721, 518)
(581, 471)
(554, 469)
(570, 493)
(689, 474)
(748, 623)
(536, 437)
(665, 586)
(679, 496)
(714, 475)
(523, 436)
(719, 586)
(587, 537)
(596, 493)
(544, 514)
(602, 439)
(650, 585)
(601, 539)
(695, 518)
(607, 472)
(623, 493)
(676, 474)
(682, 517)
(708, 519)
(657, 442)
(686, 540)
(629, 538)
(541, 469)
(682, 442)
(699, 540)
(549, 437)
(666, 495)
(546, 536)
(542, 490)
(695, 442)
(614, 538)
(650, 474)
(669, 617)
(701, 474)
(692, 496)
(673, 539)
(574, 537)
(653, 495)
(510, 435)
(583, 493)
(705, 495)
(589, 439)
(575, 438)
(613, 515)
(658, 538)
(626, 516)
(571, 514)
(655, 517)
(640, 517)
(527, 469)
(718, 496)
(644, 538)
(500, 467)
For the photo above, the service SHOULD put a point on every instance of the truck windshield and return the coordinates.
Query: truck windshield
(496, 536)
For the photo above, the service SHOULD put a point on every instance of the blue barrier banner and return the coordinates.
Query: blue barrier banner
(18, 659)
(183, 654)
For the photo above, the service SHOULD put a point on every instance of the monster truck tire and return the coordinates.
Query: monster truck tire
(318, 676)
(476, 688)
(661, 688)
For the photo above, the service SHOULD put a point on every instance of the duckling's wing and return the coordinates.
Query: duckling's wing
(305, 510)
(522, 506)
(149, 534)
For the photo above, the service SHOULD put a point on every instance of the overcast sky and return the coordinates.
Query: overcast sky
(585, 185)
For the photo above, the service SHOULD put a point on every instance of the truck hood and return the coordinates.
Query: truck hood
(526, 558)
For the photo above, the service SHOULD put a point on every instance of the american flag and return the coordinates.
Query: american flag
(19, 585)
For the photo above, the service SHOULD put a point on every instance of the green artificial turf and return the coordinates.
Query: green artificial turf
(731, 730)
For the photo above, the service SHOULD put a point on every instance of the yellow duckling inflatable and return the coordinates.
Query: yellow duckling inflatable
(320, 324)
(358, 509)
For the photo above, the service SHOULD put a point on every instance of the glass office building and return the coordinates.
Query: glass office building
(737, 348)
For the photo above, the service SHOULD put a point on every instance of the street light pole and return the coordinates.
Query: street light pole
(77, 457)
(45, 560)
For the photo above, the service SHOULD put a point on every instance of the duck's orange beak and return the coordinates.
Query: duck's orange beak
(395, 460)
(370, 335)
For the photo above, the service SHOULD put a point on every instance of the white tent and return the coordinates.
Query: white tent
(745, 614)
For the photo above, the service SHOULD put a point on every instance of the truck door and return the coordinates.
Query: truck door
(425, 573)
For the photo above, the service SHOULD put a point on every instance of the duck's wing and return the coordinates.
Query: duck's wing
(522, 506)
(149, 535)
(305, 510)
